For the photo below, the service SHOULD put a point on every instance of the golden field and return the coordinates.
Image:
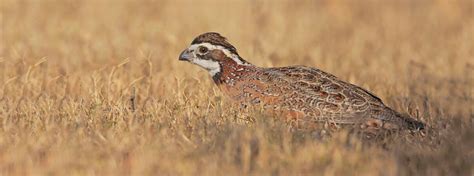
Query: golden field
(69, 69)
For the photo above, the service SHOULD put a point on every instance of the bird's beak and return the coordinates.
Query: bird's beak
(185, 55)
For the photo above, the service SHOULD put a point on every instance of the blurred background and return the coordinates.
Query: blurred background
(69, 68)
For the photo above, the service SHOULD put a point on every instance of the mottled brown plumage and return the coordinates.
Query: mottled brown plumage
(302, 94)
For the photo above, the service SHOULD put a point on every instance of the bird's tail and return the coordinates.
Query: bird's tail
(412, 124)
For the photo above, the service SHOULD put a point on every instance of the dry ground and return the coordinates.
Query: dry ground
(68, 69)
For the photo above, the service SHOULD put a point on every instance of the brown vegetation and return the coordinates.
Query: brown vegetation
(68, 70)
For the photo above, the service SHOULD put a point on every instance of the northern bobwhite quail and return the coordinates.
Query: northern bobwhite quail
(301, 93)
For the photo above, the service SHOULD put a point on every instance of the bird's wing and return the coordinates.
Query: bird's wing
(320, 95)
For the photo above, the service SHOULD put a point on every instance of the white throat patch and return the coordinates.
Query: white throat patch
(212, 66)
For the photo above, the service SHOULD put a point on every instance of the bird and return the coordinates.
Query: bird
(304, 96)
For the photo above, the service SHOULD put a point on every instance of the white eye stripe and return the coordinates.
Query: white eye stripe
(229, 54)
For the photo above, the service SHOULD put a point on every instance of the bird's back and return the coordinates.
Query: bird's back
(316, 96)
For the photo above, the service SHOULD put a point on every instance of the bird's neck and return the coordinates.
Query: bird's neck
(231, 71)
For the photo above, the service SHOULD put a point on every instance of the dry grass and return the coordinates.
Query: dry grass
(69, 68)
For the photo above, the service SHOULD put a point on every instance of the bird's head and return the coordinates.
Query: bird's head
(212, 52)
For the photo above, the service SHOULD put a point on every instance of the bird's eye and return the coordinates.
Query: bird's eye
(203, 50)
